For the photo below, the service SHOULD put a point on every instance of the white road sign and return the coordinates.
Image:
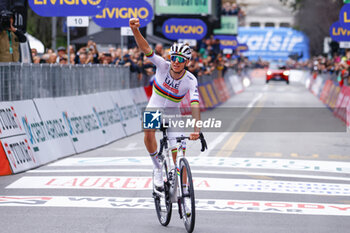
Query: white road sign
(77, 21)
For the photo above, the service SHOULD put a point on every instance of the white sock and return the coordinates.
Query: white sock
(154, 157)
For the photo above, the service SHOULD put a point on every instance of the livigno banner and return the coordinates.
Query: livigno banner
(274, 43)
(67, 7)
(118, 12)
(177, 28)
(174, 7)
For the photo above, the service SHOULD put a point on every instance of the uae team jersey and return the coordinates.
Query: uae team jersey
(168, 92)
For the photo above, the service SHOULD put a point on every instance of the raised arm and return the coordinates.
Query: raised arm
(134, 24)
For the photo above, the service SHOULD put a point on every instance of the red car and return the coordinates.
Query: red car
(278, 73)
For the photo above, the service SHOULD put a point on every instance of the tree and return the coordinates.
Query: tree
(314, 18)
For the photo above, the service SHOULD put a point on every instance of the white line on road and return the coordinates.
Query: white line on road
(194, 172)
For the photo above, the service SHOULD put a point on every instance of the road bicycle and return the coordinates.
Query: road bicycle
(178, 185)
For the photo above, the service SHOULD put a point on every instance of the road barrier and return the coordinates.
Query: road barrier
(48, 112)
(334, 96)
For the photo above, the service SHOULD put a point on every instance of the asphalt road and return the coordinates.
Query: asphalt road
(269, 172)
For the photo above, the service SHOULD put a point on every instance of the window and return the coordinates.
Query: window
(269, 24)
(255, 24)
(285, 25)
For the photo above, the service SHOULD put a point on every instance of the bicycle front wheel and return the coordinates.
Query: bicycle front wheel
(188, 206)
(162, 202)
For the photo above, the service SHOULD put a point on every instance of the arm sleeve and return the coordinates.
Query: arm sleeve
(194, 95)
(157, 61)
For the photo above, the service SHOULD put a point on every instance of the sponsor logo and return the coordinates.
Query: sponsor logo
(8, 119)
(80, 124)
(177, 28)
(171, 84)
(201, 204)
(19, 152)
(118, 13)
(43, 131)
(67, 7)
(339, 33)
(151, 119)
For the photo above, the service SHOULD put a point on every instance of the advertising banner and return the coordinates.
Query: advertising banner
(39, 134)
(344, 16)
(130, 116)
(173, 7)
(81, 122)
(227, 42)
(338, 32)
(116, 14)
(52, 8)
(229, 25)
(108, 116)
(274, 43)
(176, 28)
(5, 168)
(242, 48)
(140, 99)
(19, 153)
(9, 121)
(55, 137)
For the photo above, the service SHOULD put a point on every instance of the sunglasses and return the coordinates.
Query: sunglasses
(179, 59)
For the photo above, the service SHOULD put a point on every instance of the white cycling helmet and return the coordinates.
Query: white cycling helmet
(181, 49)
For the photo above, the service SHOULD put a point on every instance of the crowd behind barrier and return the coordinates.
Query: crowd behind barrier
(333, 92)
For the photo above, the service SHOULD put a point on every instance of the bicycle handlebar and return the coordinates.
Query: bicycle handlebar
(201, 138)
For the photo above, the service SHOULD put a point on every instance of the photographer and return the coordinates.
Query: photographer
(10, 37)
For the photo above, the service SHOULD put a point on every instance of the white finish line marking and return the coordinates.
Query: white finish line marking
(282, 164)
(193, 172)
(200, 184)
(301, 208)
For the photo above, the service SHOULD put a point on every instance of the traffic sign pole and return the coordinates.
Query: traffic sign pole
(75, 21)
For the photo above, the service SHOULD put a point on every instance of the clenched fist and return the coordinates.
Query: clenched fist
(134, 23)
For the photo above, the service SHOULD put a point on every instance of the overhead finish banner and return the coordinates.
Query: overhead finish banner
(118, 12)
(52, 8)
(175, 7)
(175, 28)
(273, 43)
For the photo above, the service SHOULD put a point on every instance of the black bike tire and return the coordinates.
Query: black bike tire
(184, 164)
(166, 220)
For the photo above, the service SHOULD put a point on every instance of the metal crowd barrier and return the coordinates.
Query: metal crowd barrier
(19, 81)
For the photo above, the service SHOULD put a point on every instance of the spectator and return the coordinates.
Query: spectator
(61, 52)
(63, 60)
(34, 52)
(52, 58)
(159, 49)
(107, 58)
(83, 59)
(10, 37)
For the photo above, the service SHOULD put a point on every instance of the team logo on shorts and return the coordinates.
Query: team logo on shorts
(151, 119)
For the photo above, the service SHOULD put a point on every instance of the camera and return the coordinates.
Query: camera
(5, 17)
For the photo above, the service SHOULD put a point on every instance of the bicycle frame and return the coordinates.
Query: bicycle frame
(170, 166)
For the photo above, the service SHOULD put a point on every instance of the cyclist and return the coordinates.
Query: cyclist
(167, 96)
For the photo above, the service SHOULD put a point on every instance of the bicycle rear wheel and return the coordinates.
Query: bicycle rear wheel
(162, 202)
(188, 206)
